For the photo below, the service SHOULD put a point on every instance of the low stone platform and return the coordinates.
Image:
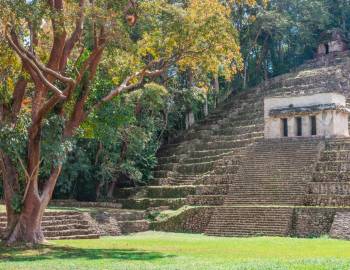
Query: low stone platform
(63, 225)
(251, 221)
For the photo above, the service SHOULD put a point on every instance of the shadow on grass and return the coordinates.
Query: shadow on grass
(60, 252)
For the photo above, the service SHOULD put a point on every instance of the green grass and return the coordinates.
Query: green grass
(153, 250)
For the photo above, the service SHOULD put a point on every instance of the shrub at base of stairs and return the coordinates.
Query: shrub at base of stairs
(192, 220)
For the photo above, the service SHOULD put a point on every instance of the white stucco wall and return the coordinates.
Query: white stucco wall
(328, 123)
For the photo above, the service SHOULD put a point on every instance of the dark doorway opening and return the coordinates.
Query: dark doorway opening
(284, 127)
(299, 126)
(327, 48)
(313, 126)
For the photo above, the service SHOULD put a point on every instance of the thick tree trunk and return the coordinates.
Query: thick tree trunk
(28, 225)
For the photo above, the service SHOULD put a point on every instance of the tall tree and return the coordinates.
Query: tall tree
(53, 51)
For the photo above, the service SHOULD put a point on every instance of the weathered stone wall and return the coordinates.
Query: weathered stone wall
(312, 222)
(193, 220)
(306, 222)
(341, 225)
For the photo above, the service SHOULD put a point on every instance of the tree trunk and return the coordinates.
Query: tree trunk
(25, 227)
(111, 189)
(28, 225)
(216, 89)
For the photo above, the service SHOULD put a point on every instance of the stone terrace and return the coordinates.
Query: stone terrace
(63, 225)
(224, 161)
(255, 186)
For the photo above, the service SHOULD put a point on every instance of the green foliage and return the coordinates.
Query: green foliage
(53, 149)
(118, 141)
(281, 35)
(16, 203)
(13, 139)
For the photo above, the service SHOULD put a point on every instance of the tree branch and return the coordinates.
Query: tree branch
(75, 36)
(36, 69)
(18, 95)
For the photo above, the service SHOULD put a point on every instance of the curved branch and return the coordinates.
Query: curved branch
(27, 60)
(75, 36)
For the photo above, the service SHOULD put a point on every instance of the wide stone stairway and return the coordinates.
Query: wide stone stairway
(330, 185)
(275, 172)
(250, 221)
(254, 184)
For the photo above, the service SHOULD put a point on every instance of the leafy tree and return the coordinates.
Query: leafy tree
(55, 49)
(279, 35)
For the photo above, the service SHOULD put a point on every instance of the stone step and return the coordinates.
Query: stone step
(170, 191)
(205, 200)
(330, 188)
(215, 189)
(276, 198)
(169, 159)
(341, 155)
(246, 136)
(338, 145)
(327, 200)
(70, 232)
(237, 130)
(178, 179)
(63, 225)
(129, 215)
(250, 221)
(73, 237)
(331, 176)
(223, 145)
(216, 179)
(215, 152)
(228, 169)
(163, 174)
(146, 203)
(331, 166)
(195, 168)
(134, 226)
(166, 167)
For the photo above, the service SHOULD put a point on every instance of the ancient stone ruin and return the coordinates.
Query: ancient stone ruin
(274, 160)
(332, 41)
(323, 115)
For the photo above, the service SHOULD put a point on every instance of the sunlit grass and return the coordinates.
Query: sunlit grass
(154, 250)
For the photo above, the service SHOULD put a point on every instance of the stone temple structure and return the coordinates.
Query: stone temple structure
(272, 160)
(323, 115)
(333, 41)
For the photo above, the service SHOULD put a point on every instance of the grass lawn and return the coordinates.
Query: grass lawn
(154, 250)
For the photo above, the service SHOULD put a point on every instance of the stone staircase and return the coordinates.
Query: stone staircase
(197, 168)
(223, 161)
(250, 221)
(63, 225)
(131, 221)
(331, 180)
(275, 171)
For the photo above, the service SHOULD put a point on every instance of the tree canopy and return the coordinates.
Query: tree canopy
(66, 67)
